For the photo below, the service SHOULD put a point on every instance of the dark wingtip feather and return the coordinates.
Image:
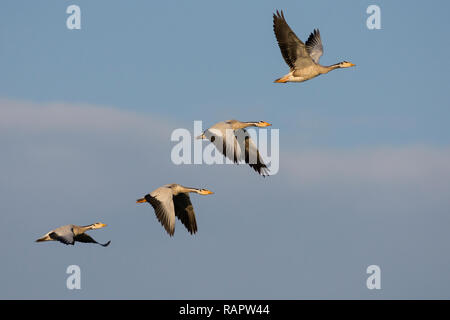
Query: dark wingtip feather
(260, 168)
(278, 15)
(106, 244)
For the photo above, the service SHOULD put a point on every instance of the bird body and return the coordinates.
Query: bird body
(234, 142)
(306, 73)
(71, 233)
(302, 58)
(172, 200)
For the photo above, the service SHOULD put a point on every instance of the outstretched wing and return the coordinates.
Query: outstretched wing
(162, 201)
(251, 153)
(185, 211)
(64, 238)
(88, 239)
(292, 48)
(314, 45)
(224, 140)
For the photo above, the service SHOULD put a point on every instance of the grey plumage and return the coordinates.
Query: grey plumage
(69, 234)
(314, 46)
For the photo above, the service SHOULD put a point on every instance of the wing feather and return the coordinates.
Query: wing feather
(161, 200)
(85, 238)
(314, 45)
(292, 48)
(184, 211)
(251, 153)
(64, 238)
(225, 142)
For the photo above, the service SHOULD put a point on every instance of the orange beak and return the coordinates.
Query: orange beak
(264, 124)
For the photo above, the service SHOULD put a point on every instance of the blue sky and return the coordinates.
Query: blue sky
(85, 123)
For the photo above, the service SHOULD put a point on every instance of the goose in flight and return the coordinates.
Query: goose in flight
(302, 59)
(172, 200)
(234, 142)
(70, 233)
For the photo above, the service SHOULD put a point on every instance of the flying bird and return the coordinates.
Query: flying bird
(70, 233)
(172, 200)
(302, 59)
(234, 142)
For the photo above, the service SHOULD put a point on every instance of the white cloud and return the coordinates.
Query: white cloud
(66, 117)
(389, 165)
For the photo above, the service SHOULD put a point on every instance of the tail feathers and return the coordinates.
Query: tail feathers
(44, 238)
(282, 79)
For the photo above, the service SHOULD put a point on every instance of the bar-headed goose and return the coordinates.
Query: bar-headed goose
(234, 142)
(69, 234)
(172, 200)
(302, 59)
